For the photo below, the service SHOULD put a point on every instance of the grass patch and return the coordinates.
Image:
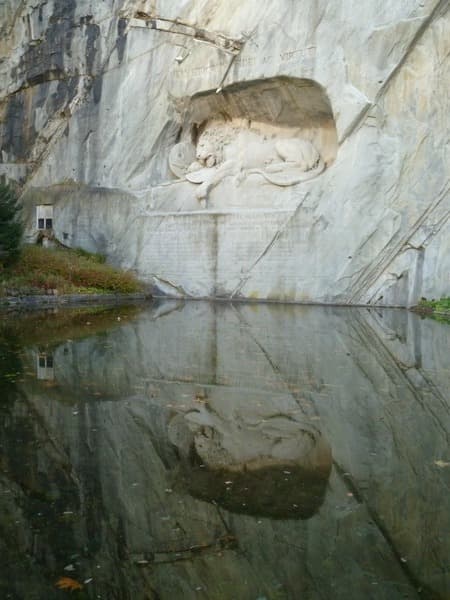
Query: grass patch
(97, 258)
(43, 270)
(437, 309)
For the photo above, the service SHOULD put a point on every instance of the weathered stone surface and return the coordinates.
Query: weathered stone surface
(100, 95)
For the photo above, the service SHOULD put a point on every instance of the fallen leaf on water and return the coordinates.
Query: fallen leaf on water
(67, 583)
(441, 463)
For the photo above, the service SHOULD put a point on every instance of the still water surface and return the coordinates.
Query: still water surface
(208, 451)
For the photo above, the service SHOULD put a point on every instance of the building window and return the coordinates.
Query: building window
(45, 369)
(44, 216)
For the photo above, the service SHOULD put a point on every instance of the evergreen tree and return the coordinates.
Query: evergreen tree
(11, 228)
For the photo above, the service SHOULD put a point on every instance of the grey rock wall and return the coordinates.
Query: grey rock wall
(96, 97)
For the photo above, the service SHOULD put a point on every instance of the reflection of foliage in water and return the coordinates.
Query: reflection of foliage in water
(10, 367)
(48, 328)
(436, 309)
(56, 325)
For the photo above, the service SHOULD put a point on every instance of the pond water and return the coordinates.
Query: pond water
(214, 451)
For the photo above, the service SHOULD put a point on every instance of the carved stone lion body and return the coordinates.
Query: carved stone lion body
(223, 150)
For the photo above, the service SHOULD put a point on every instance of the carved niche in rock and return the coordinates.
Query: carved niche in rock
(280, 130)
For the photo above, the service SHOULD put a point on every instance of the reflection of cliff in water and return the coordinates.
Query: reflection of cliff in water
(37, 488)
(101, 471)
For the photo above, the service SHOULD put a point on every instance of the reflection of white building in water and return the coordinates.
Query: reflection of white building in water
(44, 363)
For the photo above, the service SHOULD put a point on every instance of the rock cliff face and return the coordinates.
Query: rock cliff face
(241, 150)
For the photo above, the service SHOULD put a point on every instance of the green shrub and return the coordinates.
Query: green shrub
(97, 258)
(11, 228)
(436, 309)
(443, 304)
(43, 269)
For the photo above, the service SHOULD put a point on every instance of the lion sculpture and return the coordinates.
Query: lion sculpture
(225, 150)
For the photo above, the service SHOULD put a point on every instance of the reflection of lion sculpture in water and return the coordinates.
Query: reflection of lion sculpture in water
(224, 150)
(275, 458)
